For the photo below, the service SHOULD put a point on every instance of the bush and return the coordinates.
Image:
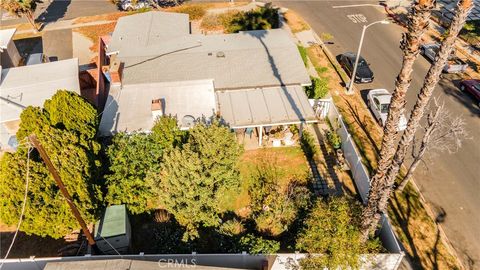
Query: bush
(318, 89)
(232, 227)
(334, 139)
(307, 142)
(258, 245)
(263, 18)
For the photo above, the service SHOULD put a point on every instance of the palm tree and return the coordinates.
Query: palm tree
(25, 8)
(431, 80)
(419, 18)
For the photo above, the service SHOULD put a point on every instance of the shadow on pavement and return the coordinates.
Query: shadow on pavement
(55, 11)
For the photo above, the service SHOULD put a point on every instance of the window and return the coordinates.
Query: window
(384, 108)
(376, 102)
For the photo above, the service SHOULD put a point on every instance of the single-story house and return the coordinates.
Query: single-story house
(8, 51)
(25, 86)
(250, 79)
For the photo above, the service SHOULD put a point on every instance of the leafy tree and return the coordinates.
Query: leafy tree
(195, 177)
(25, 8)
(274, 206)
(133, 157)
(332, 230)
(71, 146)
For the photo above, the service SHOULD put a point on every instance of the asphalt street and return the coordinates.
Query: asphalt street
(55, 10)
(452, 181)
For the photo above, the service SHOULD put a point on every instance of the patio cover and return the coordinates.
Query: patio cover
(265, 106)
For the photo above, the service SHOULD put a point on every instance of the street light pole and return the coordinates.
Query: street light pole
(352, 79)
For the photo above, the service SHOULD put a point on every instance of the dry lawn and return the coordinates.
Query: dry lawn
(412, 224)
(296, 23)
(94, 32)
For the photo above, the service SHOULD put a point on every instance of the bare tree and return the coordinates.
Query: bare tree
(418, 20)
(443, 133)
(430, 82)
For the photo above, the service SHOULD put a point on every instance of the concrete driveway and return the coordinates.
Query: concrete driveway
(452, 182)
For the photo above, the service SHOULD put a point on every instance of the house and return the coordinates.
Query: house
(8, 51)
(251, 79)
(25, 86)
(113, 232)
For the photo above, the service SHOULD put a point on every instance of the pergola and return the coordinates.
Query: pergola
(265, 107)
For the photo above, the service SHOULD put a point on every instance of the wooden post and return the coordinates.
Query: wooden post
(260, 135)
(33, 139)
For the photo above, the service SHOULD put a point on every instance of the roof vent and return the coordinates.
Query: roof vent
(158, 106)
(209, 54)
(220, 54)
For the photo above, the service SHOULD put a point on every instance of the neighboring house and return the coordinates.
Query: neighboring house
(251, 79)
(8, 51)
(25, 86)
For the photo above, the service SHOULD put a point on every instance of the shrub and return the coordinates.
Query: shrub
(258, 245)
(259, 19)
(307, 142)
(334, 139)
(232, 227)
(318, 89)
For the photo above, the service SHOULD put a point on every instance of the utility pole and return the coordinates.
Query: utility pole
(43, 154)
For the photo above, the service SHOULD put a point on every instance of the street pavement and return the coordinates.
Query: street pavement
(452, 182)
(56, 10)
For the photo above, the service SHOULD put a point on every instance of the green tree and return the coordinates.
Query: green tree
(25, 8)
(74, 153)
(274, 206)
(195, 178)
(333, 230)
(258, 245)
(132, 158)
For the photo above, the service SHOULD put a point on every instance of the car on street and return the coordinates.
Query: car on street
(378, 100)
(472, 87)
(454, 64)
(129, 5)
(364, 73)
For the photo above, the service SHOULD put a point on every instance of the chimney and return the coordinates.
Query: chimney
(158, 106)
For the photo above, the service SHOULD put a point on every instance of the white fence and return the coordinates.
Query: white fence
(326, 109)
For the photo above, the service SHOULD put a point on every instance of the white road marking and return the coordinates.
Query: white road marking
(359, 5)
(357, 18)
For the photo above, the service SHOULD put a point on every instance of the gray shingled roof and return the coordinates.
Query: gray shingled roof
(243, 60)
(267, 106)
(25, 86)
(147, 28)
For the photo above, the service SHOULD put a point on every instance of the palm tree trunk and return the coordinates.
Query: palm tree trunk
(431, 80)
(418, 22)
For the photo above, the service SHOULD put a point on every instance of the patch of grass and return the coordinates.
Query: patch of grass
(296, 23)
(303, 53)
(218, 22)
(194, 11)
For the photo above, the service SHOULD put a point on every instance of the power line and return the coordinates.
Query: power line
(23, 208)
